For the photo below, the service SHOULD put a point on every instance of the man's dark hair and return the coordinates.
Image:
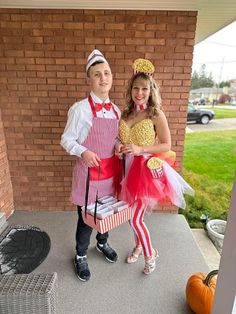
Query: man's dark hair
(95, 63)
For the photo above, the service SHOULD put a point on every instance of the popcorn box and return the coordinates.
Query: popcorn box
(109, 222)
(104, 212)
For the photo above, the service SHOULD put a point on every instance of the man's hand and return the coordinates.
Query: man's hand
(90, 159)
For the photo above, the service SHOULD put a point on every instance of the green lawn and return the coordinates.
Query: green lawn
(211, 153)
(209, 166)
(221, 113)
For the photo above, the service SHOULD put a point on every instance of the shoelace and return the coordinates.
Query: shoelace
(82, 262)
(106, 248)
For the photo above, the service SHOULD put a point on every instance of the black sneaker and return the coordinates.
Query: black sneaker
(81, 267)
(109, 253)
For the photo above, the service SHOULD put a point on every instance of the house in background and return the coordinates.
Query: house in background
(212, 94)
(44, 46)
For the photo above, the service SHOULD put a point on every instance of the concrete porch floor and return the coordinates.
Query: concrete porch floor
(209, 251)
(119, 287)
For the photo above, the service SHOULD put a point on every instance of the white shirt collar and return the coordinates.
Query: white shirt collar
(96, 99)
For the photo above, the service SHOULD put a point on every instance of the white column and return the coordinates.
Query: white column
(234, 308)
(226, 283)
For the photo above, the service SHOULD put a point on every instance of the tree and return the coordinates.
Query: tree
(195, 81)
(224, 84)
(201, 79)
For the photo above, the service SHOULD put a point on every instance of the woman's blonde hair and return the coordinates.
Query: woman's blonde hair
(154, 101)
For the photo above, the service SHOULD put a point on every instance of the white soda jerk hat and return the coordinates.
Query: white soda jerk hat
(95, 56)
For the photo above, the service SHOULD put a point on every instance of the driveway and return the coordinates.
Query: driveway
(213, 125)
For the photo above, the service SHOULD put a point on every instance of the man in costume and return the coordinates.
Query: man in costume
(90, 135)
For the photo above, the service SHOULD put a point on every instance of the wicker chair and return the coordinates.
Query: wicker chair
(28, 293)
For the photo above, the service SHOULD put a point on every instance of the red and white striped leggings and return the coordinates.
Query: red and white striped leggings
(142, 236)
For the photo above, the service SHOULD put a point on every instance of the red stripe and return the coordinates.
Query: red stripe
(143, 228)
(107, 223)
(103, 228)
(114, 220)
(110, 222)
(147, 236)
(92, 106)
(107, 169)
(134, 223)
(117, 116)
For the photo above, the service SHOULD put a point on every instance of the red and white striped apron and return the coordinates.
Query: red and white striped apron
(100, 140)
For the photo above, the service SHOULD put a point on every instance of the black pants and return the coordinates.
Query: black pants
(83, 234)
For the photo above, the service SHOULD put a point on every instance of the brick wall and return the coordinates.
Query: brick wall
(43, 59)
(6, 195)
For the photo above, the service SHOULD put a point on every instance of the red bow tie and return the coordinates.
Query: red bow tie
(99, 107)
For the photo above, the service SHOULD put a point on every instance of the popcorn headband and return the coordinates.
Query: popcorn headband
(143, 66)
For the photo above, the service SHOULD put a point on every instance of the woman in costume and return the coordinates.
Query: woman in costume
(145, 140)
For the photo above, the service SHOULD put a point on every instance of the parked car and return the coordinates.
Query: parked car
(199, 115)
(199, 101)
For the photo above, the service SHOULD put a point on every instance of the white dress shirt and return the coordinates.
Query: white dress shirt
(79, 122)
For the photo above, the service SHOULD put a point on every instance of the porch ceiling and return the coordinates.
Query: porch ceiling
(213, 15)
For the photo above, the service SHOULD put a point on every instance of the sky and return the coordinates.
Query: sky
(218, 53)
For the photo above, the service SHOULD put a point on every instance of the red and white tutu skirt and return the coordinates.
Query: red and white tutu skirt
(153, 186)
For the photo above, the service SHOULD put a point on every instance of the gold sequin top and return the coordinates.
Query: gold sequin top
(141, 134)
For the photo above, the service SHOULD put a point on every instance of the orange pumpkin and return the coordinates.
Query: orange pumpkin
(200, 291)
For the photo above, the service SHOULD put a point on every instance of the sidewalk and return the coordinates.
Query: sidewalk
(207, 248)
(213, 125)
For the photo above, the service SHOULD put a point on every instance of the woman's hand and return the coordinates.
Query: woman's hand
(131, 149)
(90, 159)
(118, 150)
